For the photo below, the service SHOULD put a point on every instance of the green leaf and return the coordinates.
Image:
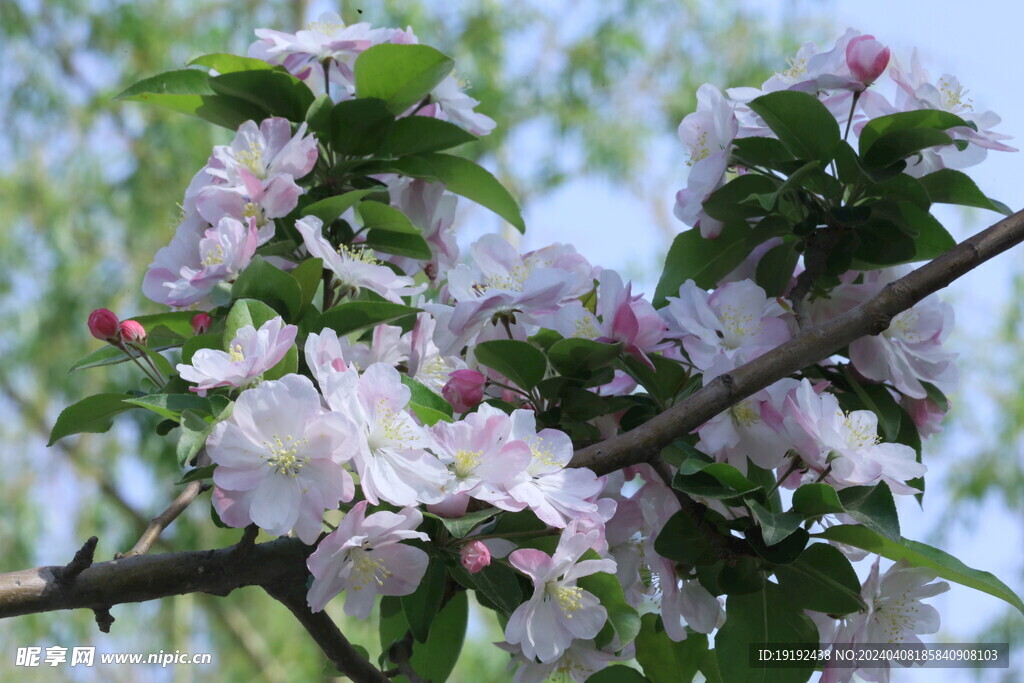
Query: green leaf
(691, 257)
(188, 91)
(422, 605)
(682, 541)
(729, 202)
(665, 661)
(401, 75)
(463, 177)
(758, 151)
(170, 406)
(775, 527)
(419, 134)
(621, 617)
(933, 239)
(327, 210)
(700, 476)
(93, 414)
(318, 116)
(360, 127)
(460, 526)
(171, 324)
(775, 269)
(352, 316)
(949, 186)
(399, 243)
(618, 673)
(520, 361)
(767, 616)
(934, 119)
(198, 474)
(211, 340)
(225, 63)
(194, 432)
(920, 555)
(245, 312)
(822, 580)
(435, 659)
(874, 507)
(897, 145)
(802, 123)
(813, 500)
(428, 406)
(271, 285)
(496, 583)
(709, 667)
(308, 274)
(277, 92)
(378, 216)
(576, 357)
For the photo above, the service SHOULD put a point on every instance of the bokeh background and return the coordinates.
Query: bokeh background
(587, 95)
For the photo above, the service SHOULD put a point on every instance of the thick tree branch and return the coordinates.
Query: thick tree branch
(811, 346)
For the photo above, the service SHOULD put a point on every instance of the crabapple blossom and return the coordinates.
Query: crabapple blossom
(708, 134)
(684, 602)
(104, 325)
(387, 445)
(578, 663)
(894, 614)
(324, 354)
(845, 446)
(556, 494)
(365, 557)
(201, 323)
(750, 429)
(727, 328)
(474, 556)
(450, 103)
(559, 611)
(354, 267)
(132, 331)
(198, 258)
(502, 281)
(432, 209)
(251, 353)
(866, 58)
(464, 390)
(481, 457)
(280, 469)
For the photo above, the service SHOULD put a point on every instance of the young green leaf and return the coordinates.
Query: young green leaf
(801, 122)
(352, 316)
(520, 361)
(400, 75)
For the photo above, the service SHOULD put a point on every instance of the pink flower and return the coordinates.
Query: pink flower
(252, 352)
(279, 459)
(201, 323)
(365, 557)
(464, 390)
(474, 556)
(845, 445)
(104, 325)
(132, 331)
(387, 446)
(866, 58)
(559, 610)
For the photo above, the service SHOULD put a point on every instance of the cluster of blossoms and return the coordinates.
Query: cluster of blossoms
(344, 430)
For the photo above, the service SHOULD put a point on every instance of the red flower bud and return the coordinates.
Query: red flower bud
(201, 323)
(475, 556)
(867, 58)
(464, 390)
(133, 331)
(104, 325)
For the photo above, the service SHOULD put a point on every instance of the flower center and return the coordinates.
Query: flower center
(954, 96)
(737, 326)
(390, 427)
(897, 617)
(284, 455)
(466, 462)
(214, 256)
(366, 568)
(253, 159)
(235, 354)
(327, 28)
(744, 415)
(797, 68)
(699, 149)
(512, 282)
(568, 598)
(540, 452)
(358, 255)
(585, 328)
(903, 326)
(858, 433)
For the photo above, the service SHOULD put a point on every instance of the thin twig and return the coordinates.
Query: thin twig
(164, 519)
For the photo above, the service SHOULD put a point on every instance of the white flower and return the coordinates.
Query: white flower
(251, 353)
(279, 460)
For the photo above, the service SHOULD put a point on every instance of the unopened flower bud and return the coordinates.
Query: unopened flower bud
(201, 323)
(867, 58)
(133, 331)
(475, 556)
(104, 325)
(464, 390)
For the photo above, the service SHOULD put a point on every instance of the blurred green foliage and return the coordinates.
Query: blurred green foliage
(89, 190)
